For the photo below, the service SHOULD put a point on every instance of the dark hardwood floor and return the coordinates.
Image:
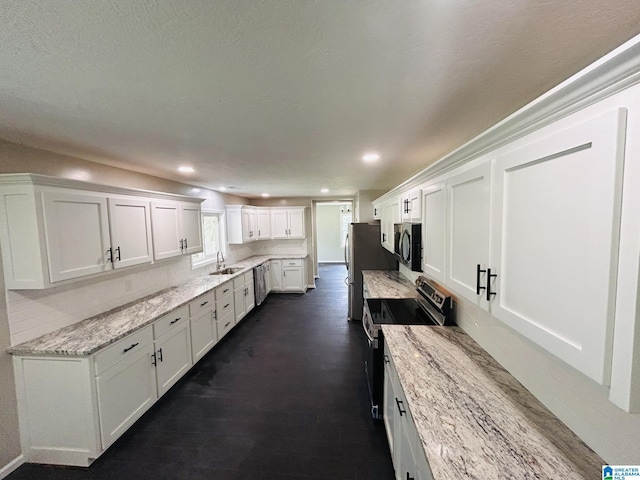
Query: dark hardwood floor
(283, 397)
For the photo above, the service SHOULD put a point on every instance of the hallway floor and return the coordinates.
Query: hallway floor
(282, 397)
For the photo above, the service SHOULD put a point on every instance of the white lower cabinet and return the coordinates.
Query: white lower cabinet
(173, 356)
(409, 460)
(288, 275)
(243, 295)
(204, 332)
(125, 392)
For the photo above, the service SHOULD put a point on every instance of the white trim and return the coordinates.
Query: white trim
(12, 466)
(611, 74)
(49, 181)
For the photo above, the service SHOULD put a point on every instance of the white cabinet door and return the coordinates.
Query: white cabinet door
(292, 280)
(556, 227)
(434, 231)
(239, 303)
(276, 275)
(296, 223)
(468, 195)
(410, 206)
(76, 233)
(386, 227)
(279, 225)
(191, 227)
(165, 225)
(264, 223)
(267, 277)
(130, 229)
(249, 230)
(250, 298)
(203, 334)
(124, 393)
(173, 357)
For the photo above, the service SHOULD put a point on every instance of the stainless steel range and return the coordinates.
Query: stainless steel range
(432, 306)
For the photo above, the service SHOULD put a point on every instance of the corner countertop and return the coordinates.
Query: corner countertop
(93, 334)
(387, 284)
(474, 419)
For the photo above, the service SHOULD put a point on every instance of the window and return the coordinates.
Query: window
(213, 238)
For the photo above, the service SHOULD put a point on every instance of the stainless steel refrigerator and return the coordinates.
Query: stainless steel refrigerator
(363, 251)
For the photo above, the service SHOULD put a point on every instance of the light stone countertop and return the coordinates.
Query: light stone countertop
(474, 419)
(93, 334)
(387, 284)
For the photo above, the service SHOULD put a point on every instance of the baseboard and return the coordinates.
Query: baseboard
(11, 466)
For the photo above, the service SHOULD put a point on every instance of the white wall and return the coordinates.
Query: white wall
(328, 224)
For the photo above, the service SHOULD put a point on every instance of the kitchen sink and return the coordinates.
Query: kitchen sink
(227, 271)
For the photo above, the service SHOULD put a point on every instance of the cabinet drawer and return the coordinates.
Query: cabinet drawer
(224, 289)
(225, 324)
(122, 349)
(202, 303)
(295, 262)
(224, 305)
(170, 320)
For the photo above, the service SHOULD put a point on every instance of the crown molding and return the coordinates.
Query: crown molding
(616, 71)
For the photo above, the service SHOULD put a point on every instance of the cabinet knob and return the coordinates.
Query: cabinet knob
(174, 321)
(489, 277)
(159, 354)
(399, 404)
(118, 250)
(132, 346)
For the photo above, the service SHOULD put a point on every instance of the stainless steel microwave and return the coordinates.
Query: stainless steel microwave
(407, 244)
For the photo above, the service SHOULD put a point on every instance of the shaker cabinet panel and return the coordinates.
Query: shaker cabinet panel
(77, 234)
(556, 256)
(434, 231)
(130, 228)
(173, 357)
(468, 195)
(124, 393)
(165, 223)
(191, 224)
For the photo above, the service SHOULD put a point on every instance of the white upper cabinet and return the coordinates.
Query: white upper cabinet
(57, 230)
(130, 228)
(263, 221)
(468, 195)
(434, 230)
(167, 235)
(410, 206)
(241, 224)
(287, 222)
(177, 229)
(555, 229)
(76, 233)
(191, 223)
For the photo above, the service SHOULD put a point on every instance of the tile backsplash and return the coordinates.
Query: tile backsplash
(36, 312)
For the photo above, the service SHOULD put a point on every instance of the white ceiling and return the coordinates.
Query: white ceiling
(285, 96)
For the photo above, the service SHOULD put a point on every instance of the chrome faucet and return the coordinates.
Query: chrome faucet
(219, 255)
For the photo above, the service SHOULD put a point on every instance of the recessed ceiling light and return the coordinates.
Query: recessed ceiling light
(223, 189)
(265, 195)
(324, 190)
(186, 169)
(196, 190)
(370, 157)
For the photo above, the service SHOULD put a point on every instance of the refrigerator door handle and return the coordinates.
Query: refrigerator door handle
(346, 251)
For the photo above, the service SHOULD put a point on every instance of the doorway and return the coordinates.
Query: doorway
(332, 225)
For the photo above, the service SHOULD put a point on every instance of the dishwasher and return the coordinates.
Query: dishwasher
(260, 286)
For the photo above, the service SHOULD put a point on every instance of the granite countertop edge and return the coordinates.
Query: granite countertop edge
(447, 377)
(95, 333)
